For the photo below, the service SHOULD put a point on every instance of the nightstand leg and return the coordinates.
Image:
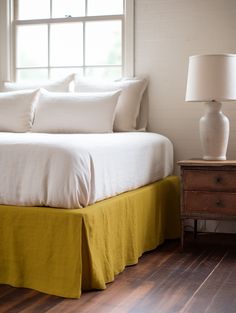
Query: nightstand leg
(195, 229)
(182, 233)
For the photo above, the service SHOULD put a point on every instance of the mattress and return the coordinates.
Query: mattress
(76, 170)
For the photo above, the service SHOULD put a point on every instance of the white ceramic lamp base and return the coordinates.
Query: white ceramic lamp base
(214, 132)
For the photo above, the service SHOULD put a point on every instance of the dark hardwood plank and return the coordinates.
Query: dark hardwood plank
(4, 290)
(16, 297)
(36, 304)
(199, 279)
(218, 293)
(177, 280)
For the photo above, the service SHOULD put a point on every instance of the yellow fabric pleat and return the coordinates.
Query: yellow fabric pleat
(61, 251)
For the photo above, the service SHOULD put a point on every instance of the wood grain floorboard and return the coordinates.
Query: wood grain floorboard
(4, 290)
(218, 293)
(16, 297)
(177, 280)
(200, 279)
(25, 303)
(39, 304)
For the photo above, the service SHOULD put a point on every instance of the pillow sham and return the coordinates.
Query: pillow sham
(56, 86)
(128, 106)
(16, 110)
(74, 112)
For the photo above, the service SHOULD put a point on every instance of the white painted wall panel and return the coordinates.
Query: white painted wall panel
(167, 32)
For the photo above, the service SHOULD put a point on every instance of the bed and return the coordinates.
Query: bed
(65, 247)
(78, 202)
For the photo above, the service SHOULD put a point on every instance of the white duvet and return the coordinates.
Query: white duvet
(75, 170)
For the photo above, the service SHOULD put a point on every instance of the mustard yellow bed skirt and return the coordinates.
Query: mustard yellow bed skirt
(62, 252)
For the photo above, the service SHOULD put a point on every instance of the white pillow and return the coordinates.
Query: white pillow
(128, 105)
(74, 112)
(16, 110)
(57, 86)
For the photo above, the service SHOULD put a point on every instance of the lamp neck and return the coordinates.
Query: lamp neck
(213, 107)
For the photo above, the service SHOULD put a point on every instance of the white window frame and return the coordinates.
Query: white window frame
(8, 39)
(5, 40)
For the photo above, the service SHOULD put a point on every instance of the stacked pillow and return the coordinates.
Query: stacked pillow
(75, 113)
(56, 86)
(16, 110)
(128, 106)
(94, 107)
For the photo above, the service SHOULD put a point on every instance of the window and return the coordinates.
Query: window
(52, 38)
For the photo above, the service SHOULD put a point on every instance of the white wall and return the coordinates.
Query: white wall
(167, 32)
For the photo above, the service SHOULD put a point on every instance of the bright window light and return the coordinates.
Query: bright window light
(103, 43)
(57, 73)
(66, 42)
(105, 7)
(109, 73)
(29, 9)
(32, 75)
(66, 8)
(32, 46)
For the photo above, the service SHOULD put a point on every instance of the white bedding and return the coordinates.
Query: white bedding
(75, 170)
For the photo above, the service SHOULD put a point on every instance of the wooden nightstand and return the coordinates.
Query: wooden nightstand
(208, 191)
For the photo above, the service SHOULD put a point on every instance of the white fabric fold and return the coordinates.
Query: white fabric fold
(75, 170)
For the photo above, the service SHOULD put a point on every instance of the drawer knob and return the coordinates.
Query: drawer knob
(219, 204)
(218, 180)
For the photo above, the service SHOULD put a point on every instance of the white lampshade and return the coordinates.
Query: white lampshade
(211, 78)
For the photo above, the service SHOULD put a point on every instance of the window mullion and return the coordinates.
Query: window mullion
(128, 38)
(71, 19)
(49, 50)
(49, 38)
(84, 34)
(84, 49)
(51, 8)
(86, 7)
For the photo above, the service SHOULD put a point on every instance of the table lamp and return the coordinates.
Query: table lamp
(212, 79)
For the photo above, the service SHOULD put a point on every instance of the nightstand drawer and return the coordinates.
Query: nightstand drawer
(208, 191)
(209, 180)
(217, 203)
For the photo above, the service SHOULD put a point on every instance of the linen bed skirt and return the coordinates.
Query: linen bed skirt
(62, 251)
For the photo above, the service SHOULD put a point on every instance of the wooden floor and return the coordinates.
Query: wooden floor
(202, 278)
